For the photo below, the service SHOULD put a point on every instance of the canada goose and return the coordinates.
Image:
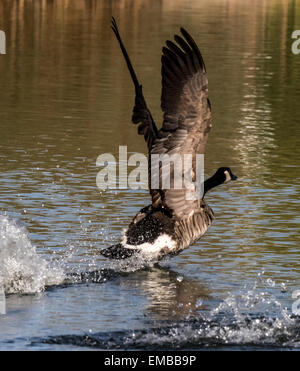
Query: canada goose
(172, 222)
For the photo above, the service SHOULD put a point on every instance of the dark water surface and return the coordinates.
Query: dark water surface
(65, 98)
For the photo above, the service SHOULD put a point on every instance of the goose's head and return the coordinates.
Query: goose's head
(224, 175)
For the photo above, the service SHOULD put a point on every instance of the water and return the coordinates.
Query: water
(66, 98)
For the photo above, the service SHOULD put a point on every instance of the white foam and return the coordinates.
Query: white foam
(22, 270)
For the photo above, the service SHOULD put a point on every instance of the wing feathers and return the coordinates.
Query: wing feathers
(187, 116)
(195, 48)
(141, 113)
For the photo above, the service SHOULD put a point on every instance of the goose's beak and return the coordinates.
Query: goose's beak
(233, 177)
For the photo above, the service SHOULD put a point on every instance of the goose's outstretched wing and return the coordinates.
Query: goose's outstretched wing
(187, 117)
(141, 114)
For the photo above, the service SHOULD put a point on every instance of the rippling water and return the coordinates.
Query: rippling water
(65, 98)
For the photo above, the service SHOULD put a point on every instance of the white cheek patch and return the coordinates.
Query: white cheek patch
(162, 242)
(228, 177)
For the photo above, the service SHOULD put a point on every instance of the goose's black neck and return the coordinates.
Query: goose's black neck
(212, 182)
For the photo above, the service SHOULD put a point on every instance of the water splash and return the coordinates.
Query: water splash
(253, 317)
(22, 270)
(190, 334)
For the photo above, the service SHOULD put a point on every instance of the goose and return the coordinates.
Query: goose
(172, 221)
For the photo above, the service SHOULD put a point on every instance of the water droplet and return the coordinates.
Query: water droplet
(283, 287)
(199, 302)
(270, 282)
